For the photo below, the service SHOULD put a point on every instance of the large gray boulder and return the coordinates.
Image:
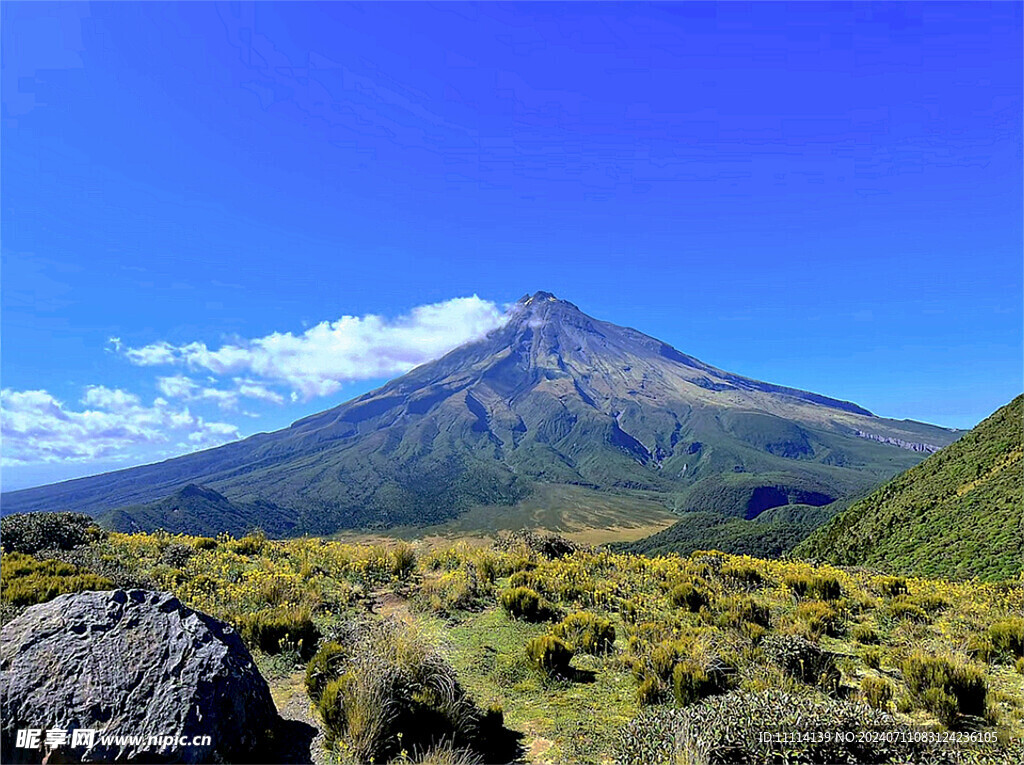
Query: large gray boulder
(130, 663)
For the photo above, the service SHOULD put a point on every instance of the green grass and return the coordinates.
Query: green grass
(957, 514)
(565, 720)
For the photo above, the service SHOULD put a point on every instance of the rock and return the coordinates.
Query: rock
(131, 663)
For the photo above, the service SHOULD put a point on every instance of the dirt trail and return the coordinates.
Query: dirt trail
(389, 604)
(302, 740)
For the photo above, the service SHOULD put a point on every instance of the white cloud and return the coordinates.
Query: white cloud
(318, 361)
(39, 428)
(187, 389)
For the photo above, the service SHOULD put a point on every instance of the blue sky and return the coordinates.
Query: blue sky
(195, 195)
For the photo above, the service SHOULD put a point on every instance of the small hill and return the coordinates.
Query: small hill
(199, 510)
(959, 514)
(771, 534)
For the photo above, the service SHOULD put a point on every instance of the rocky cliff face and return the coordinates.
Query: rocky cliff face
(130, 664)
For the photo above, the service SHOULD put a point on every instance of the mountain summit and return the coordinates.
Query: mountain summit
(553, 396)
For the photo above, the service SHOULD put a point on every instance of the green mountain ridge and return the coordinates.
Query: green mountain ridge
(199, 510)
(959, 514)
(552, 397)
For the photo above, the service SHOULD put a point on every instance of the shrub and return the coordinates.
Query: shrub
(981, 648)
(403, 561)
(177, 554)
(528, 578)
(877, 692)
(250, 544)
(802, 660)
(742, 609)
(726, 728)
(903, 608)
(488, 567)
(31, 532)
(550, 546)
(524, 603)
(586, 633)
(205, 543)
(456, 590)
(820, 619)
(1008, 635)
(864, 633)
(873, 658)
(96, 559)
(798, 583)
(690, 682)
(825, 588)
(393, 690)
(358, 708)
(323, 667)
(1019, 666)
(929, 603)
(689, 597)
(649, 691)
(946, 687)
(280, 629)
(446, 754)
(742, 574)
(891, 585)
(27, 580)
(550, 654)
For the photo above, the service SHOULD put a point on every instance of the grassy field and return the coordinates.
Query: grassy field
(577, 513)
(571, 654)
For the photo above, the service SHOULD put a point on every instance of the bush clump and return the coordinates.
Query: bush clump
(176, 554)
(876, 691)
(586, 633)
(1008, 635)
(391, 690)
(457, 590)
(323, 667)
(550, 546)
(690, 682)
(819, 619)
(741, 609)
(825, 588)
(31, 532)
(687, 596)
(27, 580)
(280, 629)
(891, 585)
(819, 587)
(864, 634)
(903, 608)
(742, 574)
(948, 688)
(550, 654)
(802, 660)
(250, 544)
(526, 604)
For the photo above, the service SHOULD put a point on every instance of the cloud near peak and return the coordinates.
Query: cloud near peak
(320, 360)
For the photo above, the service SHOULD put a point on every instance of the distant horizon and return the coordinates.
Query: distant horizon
(221, 218)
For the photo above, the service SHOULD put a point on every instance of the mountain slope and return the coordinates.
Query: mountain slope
(958, 514)
(553, 396)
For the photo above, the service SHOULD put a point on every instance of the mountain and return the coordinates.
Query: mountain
(553, 396)
(199, 510)
(959, 514)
